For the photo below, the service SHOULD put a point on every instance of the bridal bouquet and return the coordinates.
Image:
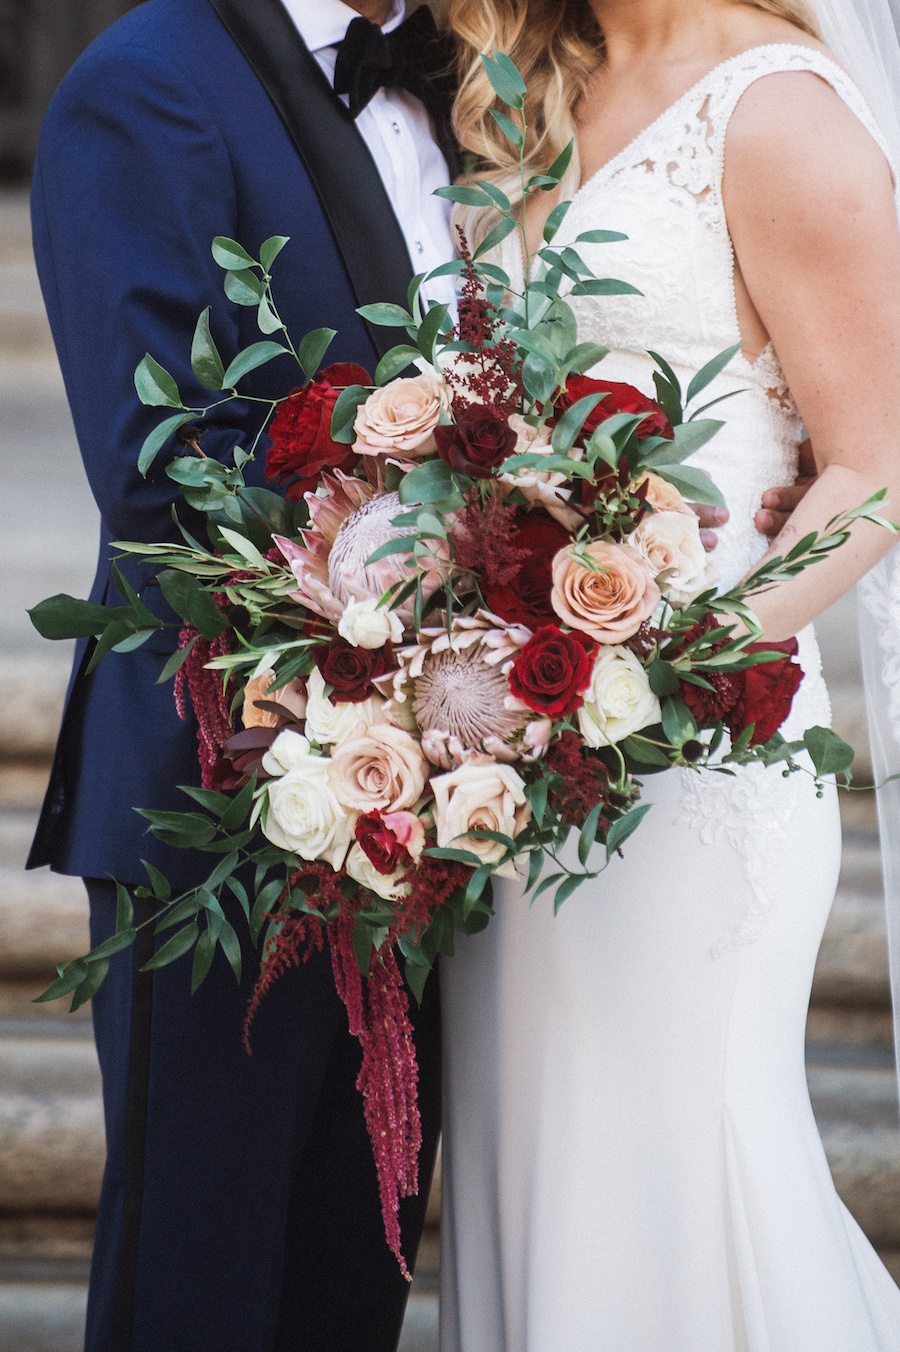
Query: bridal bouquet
(471, 612)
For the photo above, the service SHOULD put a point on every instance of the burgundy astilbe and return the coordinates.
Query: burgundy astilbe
(483, 535)
(209, 696)
(585, 782)
(489, 374)
(431, 883)
(378, 1010)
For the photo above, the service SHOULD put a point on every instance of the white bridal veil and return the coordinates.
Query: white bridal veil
(863, 36)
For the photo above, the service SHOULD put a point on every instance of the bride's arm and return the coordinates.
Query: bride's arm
(811, 211)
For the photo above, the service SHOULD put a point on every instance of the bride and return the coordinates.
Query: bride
(632, 1164)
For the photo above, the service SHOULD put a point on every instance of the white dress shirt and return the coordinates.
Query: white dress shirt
(397, 130)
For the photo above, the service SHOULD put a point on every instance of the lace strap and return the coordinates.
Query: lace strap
(733, 79)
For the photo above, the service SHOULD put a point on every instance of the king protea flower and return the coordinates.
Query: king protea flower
(349, 521)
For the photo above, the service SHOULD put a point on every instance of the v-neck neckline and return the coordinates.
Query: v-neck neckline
(682, 98)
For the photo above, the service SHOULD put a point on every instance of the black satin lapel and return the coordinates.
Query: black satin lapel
(337, 159)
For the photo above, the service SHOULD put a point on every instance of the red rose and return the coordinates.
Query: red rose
(526, 598)
(620, 398)
(479, 441)
(351, 670)
(300, 432)
(379, 843)
(766, 692)
(553, 671)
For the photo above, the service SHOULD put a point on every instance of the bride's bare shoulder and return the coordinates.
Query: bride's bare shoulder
(792, 135)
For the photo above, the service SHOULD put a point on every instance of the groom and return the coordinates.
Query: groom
(240, 1210)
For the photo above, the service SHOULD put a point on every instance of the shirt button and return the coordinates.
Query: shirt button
(397, 128)
(420, 246)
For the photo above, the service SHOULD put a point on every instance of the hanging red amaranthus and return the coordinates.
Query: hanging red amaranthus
(208, 695)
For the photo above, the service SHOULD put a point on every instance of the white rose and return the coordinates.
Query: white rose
(329, 721)
(361, 869)
(480, 797)
(365, 626)
(670, 542)
(618, 700)
(304, 816)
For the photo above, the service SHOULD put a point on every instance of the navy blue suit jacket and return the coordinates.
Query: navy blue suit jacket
(162, 137)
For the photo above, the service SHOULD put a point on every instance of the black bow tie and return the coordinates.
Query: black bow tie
(415, 57)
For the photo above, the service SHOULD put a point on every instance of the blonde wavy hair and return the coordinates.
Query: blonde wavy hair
(557, 45)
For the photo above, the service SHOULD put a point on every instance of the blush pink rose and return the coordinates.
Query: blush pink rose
(382, 769)
(400, 418)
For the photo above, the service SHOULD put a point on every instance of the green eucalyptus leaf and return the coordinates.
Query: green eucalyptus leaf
(395, 362)
(692, 483)
(203, 959)
(266, 317)
(61, 617)
(231, 255)
(314, 349)
(188, 599)
(176, 661)
(505, 79)
(258, 354)
(386, 316)
(430, 329)
(154, 443)
(830, 754)
(465, 195)
(600, 237)
(604, 286)
(244, 288)
(270, 250)
(501, 231)
(626, 826)
(344, 413)
(174, 948)
(155, 387)
(565, 890)
(709, 372)
(429, 482)
(571, 424)
(206, 362)
(509, 128)
(90, 985)
(555, 220)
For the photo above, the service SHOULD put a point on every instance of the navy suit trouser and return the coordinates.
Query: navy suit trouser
(240, 1208)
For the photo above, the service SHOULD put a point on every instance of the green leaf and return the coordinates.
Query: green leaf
(386, 316)
(693, 484)
(116, 943)
(344, 413)
(453, 855)
(830, 754)
(587, 837)
(71, 976)
(690, 436)
(537, 794)
(570, 426)
(174, 948)
(162, 888)
(644, 753)
(416, 975)
(61, 616)
(270, 250)
(565, 890)
(501, 231)
(555, 220)
(600, 237)
(244, 288)
(266, 317)
(558, 168)
(90, 985)
(154, 443)
(430, 329)
(176, 661)
(678, 722)
(244, 547)
(265, 900)
(505, 79)
(203, 959)
(539, 378)
(230, 255)
(604, 286)
(134, 641)
(708, 373)
(626, 826)
(508, 127)
(252, 357)
(231, 947)
(116, 632)
(124, 908)
(188, 599)
(395, 362)
(154, 385)
(664, 679)
(313, 350)
(363, 939)
(465, 195)
(206, 362)
(429, 482)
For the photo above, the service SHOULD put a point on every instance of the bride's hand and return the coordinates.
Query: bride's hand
(778, 503)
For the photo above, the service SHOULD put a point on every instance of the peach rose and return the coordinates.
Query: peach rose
(401, 417)
(480, 796)
(663, 496)
(292, 697)
(604, 590)
(379, 770)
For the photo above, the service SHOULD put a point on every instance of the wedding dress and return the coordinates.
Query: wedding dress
(631, 1160)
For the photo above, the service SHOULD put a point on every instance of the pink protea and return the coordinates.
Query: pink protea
(348, 523)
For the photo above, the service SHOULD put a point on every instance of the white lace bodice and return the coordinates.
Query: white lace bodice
(664, 192)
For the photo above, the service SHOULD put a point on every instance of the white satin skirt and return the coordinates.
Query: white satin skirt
(631, 1159)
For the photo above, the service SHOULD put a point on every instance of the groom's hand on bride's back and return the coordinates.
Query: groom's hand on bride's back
(777, 503)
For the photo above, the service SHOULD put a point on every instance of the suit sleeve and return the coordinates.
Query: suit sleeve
(132, 184)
